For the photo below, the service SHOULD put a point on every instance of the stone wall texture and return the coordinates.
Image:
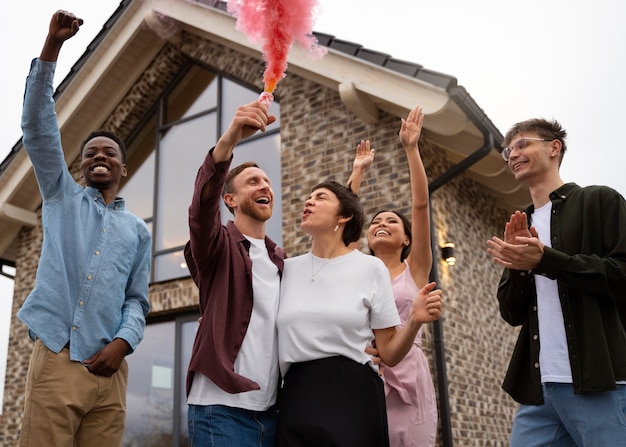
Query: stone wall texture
(318, 139)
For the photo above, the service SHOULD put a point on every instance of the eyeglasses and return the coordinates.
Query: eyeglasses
(519, 145)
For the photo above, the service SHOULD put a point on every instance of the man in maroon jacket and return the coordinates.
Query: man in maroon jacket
(233, 373)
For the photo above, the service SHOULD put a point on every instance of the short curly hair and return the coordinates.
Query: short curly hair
(108, 134)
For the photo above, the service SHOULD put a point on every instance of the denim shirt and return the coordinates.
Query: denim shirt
(93, 273)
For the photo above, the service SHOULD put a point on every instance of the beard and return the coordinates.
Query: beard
(262, 215)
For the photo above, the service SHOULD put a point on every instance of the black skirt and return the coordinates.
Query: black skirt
(332, 402)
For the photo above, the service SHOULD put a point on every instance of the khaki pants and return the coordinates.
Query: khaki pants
(67, 406)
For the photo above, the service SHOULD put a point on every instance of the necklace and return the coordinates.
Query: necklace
(314, 272)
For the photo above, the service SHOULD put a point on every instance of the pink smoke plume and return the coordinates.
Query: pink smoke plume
(276, 25)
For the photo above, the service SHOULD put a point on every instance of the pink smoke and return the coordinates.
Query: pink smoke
(276, 25)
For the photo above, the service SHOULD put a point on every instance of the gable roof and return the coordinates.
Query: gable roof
(367, 81)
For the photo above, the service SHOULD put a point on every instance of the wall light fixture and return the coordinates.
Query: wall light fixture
(447, 253)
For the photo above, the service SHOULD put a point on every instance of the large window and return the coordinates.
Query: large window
(156, 414)
(170, 147)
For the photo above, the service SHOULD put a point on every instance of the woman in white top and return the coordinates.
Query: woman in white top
(334, 301)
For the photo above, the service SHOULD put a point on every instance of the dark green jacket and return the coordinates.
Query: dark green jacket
(588, 260)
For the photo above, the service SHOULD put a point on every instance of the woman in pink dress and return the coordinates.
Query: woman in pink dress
(405, 249)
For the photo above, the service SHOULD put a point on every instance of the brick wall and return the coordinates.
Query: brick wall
(478, 342)
(19, 343)
(318, 138)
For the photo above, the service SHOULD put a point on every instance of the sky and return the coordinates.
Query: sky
(555, 59)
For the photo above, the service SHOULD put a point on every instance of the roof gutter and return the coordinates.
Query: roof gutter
(491, 135)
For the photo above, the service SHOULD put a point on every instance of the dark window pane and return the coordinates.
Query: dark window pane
(182, 151)
(170, 266)
(207, 100)
(189, 330)
(195, 93)
(150, 394)
(138, 190)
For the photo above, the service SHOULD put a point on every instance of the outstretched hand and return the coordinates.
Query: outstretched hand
(411, 128)
(364, 156)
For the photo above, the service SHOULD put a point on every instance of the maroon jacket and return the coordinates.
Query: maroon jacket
(220, 265)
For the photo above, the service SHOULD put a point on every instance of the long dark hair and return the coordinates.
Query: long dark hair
(407, 230)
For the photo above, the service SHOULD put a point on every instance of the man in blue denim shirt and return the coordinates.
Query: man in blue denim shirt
(87, 310)
(564, 282)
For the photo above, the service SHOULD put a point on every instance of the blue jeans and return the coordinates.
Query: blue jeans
(566, 419)
(222, 426)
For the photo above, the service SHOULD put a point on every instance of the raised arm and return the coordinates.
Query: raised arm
(420, 257)
(362, 160)
(63, 26)
(40, 130)
(248, 120)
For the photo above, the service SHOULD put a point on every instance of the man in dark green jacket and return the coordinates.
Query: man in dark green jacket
(565, 283)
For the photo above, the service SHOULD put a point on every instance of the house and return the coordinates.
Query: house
(167, 76)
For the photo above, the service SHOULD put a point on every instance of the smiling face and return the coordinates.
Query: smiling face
(103, 164)
(537, 149)
(388, 231)
(534, 158)
(251, 195)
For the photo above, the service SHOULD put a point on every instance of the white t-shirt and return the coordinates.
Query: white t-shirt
(553, 352)
(334, 313)
(258, 357)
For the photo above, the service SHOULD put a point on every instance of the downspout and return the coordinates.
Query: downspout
(460, 96)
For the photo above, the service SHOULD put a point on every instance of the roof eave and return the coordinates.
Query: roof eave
(367, 82)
